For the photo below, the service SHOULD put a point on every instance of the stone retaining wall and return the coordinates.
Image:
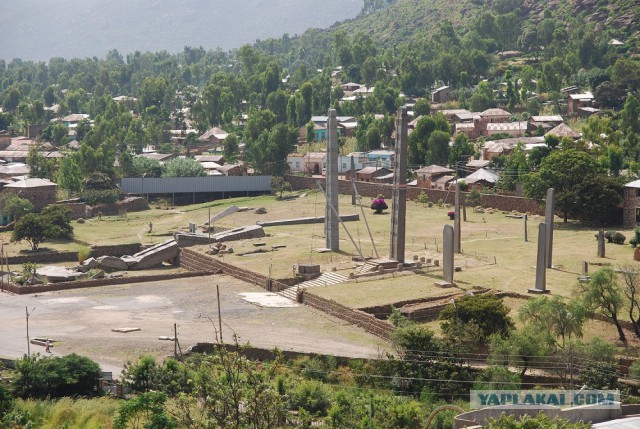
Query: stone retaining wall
(48, 257)
(24, 290)
(190, 259)
(371, 190)
(131, 204)
(356, 317)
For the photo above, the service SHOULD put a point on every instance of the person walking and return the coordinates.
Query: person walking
(47, 346)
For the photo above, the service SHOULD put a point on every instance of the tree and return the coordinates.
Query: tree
(56, 134)
(268, 154)
(486, 311)
(150, 407)
(279, 185)
(69, 175)
(564, 171)
(14, 207)
(146, 167)
(482, 98)
(603, 294)
(460, 152)
(183, 167)
(559, 320)
(419, 138)
(231, 148)
(439, 151)
(34, 229)
(522, 348)
(56, 377)
(631, 290)
(40, 166)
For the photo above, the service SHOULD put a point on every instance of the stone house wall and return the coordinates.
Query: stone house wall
(630, 204)
(371, 190)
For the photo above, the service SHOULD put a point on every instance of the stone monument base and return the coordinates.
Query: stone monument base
(538, 291)
(443, 284)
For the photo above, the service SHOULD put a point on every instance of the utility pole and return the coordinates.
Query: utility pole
(219, 314)
(175, 341)
(26, 310)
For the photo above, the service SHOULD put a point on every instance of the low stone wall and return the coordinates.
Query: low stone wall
(356, 317)
(25, 290)
(131, 204)
(47, 257)
(78, 210)
(371, 190)
(190, 259)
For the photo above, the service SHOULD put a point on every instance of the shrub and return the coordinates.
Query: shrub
(105, 196)
(311, 396)
(440, 202)
(56, 377)
(615, 237)
(474, 198)
(422, 198)
(635, 240)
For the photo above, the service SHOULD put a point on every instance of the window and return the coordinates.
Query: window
(637, 214)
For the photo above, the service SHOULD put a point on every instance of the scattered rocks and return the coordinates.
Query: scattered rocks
(80, 220)
(111, 262)
(260, 210)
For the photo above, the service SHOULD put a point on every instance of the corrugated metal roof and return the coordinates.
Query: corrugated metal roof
(169, 185)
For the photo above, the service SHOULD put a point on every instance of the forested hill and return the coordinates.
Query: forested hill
(512, 24)
(39, 29)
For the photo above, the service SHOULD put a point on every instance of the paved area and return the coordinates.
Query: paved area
(82, 320)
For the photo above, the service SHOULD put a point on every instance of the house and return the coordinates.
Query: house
(483, 178)
(442, 94)
(477, 164)
(631, 204)
(516, 129)
(554, 120)
(494, 148)
(455, 116)
(11, 170)
(564, 130)
(370, 174)
(427, 176)
(350, 87)
(71, 120)
(576, 101)
(160, 157)
(296, 162)
(495, 115)
(233, 169)
(443, 183)
(214, 137)
(218, 159)
(468, 129)
(40, 192)
(314, 162)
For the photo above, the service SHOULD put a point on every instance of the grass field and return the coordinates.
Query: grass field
(495, 254)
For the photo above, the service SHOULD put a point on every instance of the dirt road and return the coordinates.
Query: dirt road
(81, 320)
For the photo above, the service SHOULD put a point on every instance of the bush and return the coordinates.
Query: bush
(474, 198)
(56, 377)
(616, 238)
(105, 196)
(635, 240)
(422, 198)
(311, 396)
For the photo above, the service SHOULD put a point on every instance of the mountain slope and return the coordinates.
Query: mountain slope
(38, 29)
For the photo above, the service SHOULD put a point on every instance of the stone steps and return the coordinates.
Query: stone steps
(325, 279)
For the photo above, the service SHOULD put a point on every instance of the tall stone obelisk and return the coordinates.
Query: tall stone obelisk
(457, 248)
(331, 220)
(549, 208)
(399, 211)
(541, 261)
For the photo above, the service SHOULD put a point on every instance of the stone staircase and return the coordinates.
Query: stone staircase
(325, 279)
(368, 267)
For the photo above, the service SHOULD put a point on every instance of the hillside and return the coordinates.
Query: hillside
(39, 30)
(409, 19)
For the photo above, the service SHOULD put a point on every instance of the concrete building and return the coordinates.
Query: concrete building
(40, 192)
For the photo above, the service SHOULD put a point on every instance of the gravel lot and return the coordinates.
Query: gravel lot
(82, 319)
